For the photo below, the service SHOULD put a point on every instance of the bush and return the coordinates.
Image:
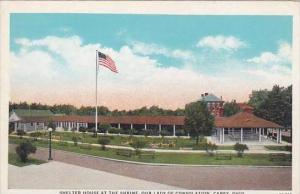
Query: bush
(288, 148)
(180, 132)
(35, 135)
(82, 129)
(114, 130)
(24, 149)
(20, 133)
(62, 143)
(103, 141)
(85, 146)
(104, 127)
(138, 144)
(165, 133)
(75, 140)
(210, 148)
(240, 148)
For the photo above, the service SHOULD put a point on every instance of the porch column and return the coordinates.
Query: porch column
(223, 138)
(259, 137)
(77, 126)
(35, 126)
(69, 126)
(174, 130)
(15, 126)
(159, 129)
(131, 126)
(119, 125)
(280, 136)
(277, 135)
(241, 135)
(220, 137)
(145, 127)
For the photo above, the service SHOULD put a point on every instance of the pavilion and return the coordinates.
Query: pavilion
(245, 126)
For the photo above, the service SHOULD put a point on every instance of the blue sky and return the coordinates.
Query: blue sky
(254, 51)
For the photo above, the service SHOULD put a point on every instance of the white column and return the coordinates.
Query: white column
(259, 137)
(241, 135)
(119, 125)
(219, 130)
(34, 126)
(223, 135)
(159, 129)
(174, 130)
(145, 127)
(77, 127)
(277, 135)
(131, 126)
(15, 126)
(69, 126)
(280, 136)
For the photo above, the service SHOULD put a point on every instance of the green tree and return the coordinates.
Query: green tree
(24, 149)
(274, 105)
(198, 120)
(137, 144)
(231, 108)
(240, 148)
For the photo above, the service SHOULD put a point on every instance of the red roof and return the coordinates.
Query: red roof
(239, 120)
(244, 120)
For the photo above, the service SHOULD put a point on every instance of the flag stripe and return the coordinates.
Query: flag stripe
(107, 62)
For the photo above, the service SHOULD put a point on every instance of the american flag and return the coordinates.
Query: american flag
(107, 62)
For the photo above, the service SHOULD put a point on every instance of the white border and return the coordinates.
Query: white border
(291, 8)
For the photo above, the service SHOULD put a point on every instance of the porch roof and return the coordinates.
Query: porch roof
(244, 120)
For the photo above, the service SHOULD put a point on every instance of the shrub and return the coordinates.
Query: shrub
(35, 135)
(103, 141)
(288, 148)
(85, 146)
(24, 149)
(165, 133)
(104, 127)
(20, 133)
(138, 144)
(210, 148)
(91, 130)
(82, 129)
(240, 148)
(75, 140)
(114, 130)
(180, 132)
(62, 143)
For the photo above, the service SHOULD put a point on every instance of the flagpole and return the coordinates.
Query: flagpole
(96, 115)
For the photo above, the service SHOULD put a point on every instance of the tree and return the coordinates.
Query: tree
(210, 148)
(103, 141)
(274, 105)
(24, 149)
(20, 133)
(240, 148)
(198, 120)
(231, 108)
(52, 125)
(104, 127)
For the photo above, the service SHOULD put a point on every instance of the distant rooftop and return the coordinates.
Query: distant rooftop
(32, 112)
(207, 97)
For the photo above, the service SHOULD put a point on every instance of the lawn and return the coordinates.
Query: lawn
(152, 142)
(279, 148)
(13, 159)
(169, 158)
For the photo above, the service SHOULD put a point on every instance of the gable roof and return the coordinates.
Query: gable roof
(210, 98)
(32, 113)
(244, 120)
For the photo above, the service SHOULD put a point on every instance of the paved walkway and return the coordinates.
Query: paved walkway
(58, 175)
(188, 177)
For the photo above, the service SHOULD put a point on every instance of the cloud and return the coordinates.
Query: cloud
(281, 57)
(220, 42)
(62, 70)
(155, 49)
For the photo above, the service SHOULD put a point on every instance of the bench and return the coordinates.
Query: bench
(223, 156)
(280, 157)
(146, 154)
(123, 152)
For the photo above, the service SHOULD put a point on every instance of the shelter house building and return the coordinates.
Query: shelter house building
(241, 127)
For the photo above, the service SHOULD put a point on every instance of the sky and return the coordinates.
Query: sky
(163, 60)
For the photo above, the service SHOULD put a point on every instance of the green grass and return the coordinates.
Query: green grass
(279, 148)
(13, 159)
(169, 158)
